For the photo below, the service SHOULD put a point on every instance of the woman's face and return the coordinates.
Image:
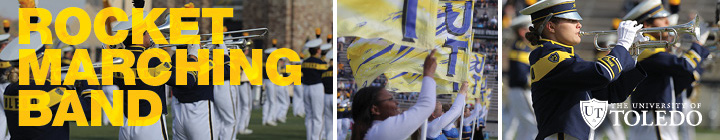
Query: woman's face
(658, 22)
(566, 31)
(385, 105)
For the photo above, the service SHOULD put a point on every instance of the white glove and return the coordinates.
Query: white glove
(193, 49)
(641, 38)
(223, 47)
(627, 32)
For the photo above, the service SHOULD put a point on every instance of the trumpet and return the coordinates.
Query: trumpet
(261, 32)
(691, 28)
(95, 65)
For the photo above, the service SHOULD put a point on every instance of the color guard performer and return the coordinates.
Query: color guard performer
(376, 112)
(439, 119)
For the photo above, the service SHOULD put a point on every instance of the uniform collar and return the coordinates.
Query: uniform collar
(136, 48)
(572, 50)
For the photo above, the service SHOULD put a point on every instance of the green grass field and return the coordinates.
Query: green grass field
(294, 128)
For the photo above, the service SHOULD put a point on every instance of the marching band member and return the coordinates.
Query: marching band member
(376, 114)
(439, 119)
(470, 117)
(283, 97)
(244, 100)
(665, 70)
(224, 95)
(194, 108)
(11, 53)
(312, 69)
(607, 128)
(327, 80)
(5, 79)
(560, 78)
(157, 130)
(270, 104)
(522, 112)
(343, 115)
(297, 99)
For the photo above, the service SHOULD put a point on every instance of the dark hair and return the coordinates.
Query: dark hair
(534, 36)
(362, 103)
(313, 51)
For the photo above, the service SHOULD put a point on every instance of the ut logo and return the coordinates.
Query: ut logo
(593, 112)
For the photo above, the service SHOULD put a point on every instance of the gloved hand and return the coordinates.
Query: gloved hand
(627, 32)
(193, 49)
(641, 38)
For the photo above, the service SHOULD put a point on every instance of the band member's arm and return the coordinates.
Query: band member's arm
(439, 123)
(191, 76)
(561, 70)
(403, 125)
(684, 70)
(473, 115)
(620, 89)
(83, 89)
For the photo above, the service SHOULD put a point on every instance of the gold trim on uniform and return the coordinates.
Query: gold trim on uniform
(545, 64)
(327, 74)
(312, 65)
(11, 102)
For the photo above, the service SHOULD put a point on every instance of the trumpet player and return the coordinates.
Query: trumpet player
(5, 78)
(158, 129)
(327, 81)
(560, 79)
(10, 54)
(519, 83)
(224, 95)
(244, 103)
(270, 105)
(666, 71)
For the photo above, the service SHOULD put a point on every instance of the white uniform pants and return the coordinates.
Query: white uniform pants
(224, 102)
(283, 102)
(343, 126)
(157, 131)
(639, 132)
(328, 117)
(522, 112)
(108, 90)
(298, 104)
(270, 104)
(556, 137)
(194, 121)
(4, 133)
(314, 102)
(244, 105)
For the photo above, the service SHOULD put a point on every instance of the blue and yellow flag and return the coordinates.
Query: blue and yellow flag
(383, 50)
(404, 22)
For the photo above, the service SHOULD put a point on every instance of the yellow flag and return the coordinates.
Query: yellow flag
(385, 54)
(405, 22)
